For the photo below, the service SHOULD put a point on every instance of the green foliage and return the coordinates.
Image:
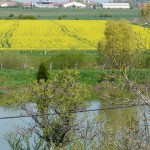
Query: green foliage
(105, 15)
(73, 6)
(114, 91)
(64, 96)
(18, 142)
(60, 18)
(68, 60)
(42, 73)
(11, 15)
(117, 51)
(27, 17)
(145, 10)
(1, 94)
(119, 44)
(143, 60)
(64, 15)
(94, 6)
(13, 60)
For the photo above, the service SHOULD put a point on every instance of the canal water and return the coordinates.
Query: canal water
(122, 115)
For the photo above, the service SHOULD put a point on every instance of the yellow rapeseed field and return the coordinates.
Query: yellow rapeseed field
(56, 34)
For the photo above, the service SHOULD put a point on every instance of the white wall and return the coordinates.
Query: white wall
(116, 5)
(70, 4)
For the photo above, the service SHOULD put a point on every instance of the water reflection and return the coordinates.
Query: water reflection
(10, 125)
(123, 117)
(115, 117)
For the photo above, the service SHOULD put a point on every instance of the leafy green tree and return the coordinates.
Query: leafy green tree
(62, 96)
(119, 44)
(117, 50)
(42, 72)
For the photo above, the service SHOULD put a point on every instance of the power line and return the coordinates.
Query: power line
(80, 111)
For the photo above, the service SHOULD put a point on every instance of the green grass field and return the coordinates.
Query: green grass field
(72, 14)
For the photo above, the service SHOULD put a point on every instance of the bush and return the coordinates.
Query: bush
(67, 60)
(30, 17)
(11, 15)
(59, 18)
(64, 15)
(101, 15)
(144, 59)
(94, 6)
(105, 15)
(42, 73)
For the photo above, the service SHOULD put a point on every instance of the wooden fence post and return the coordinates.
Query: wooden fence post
(1, 66)
(50, 66)
(45, 52)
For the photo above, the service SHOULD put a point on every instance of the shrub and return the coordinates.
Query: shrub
(59, 18)
(11, 15)
(42, 73)
(30, 17)
(142, 60)
(94, 6)
(64, 15)
(101, 15)
(67, 60)
(105, 15)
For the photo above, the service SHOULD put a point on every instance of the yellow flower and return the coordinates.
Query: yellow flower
(56, 34)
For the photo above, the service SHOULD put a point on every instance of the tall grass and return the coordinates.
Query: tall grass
(64, 59)
(67, 59)
(12, 60)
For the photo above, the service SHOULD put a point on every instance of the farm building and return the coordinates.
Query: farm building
(116, 5)
(7, 4)
(74, 4)
(27, 4)
(46, 4)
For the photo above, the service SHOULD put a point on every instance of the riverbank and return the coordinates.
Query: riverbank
(16, 80)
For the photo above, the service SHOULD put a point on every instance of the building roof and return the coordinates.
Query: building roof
(7, 4)
(116, 4)
(26, 4)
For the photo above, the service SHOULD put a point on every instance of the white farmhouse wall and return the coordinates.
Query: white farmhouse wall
(4, 5)
(76, 4)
